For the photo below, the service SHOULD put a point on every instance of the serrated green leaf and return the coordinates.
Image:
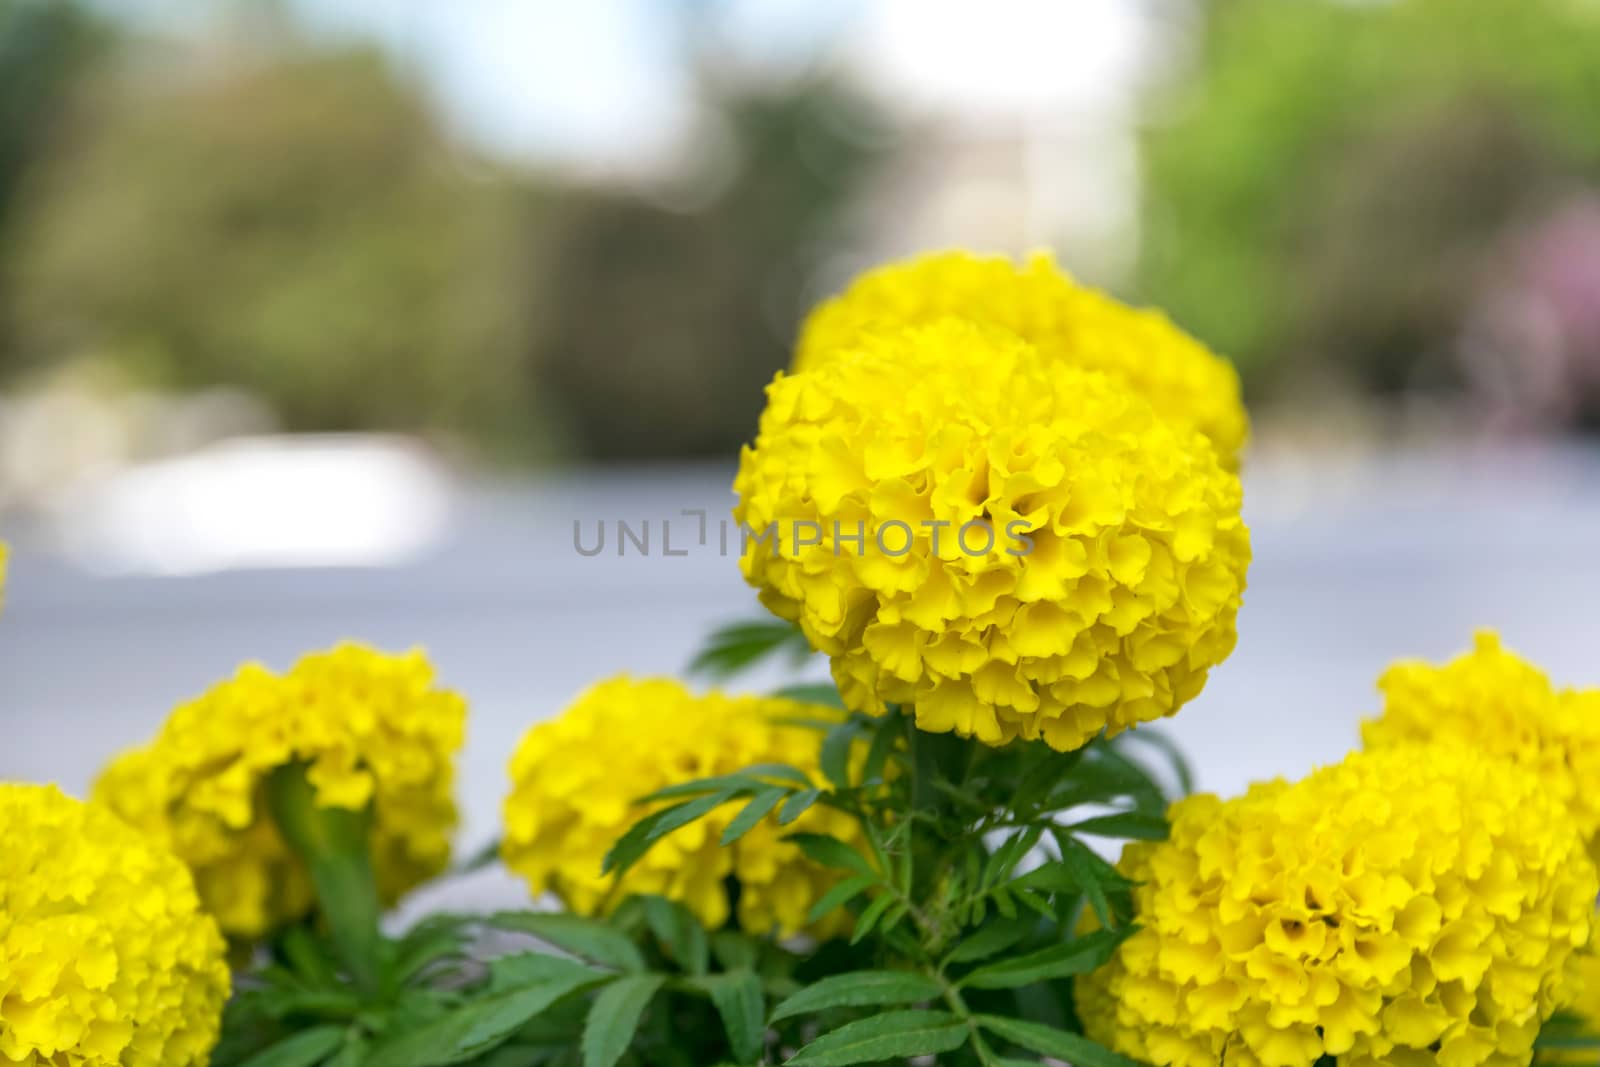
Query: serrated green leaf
(1048, 1041)
(471, 1029)
(305, 1049)
(885, 734)
(524, 969)
(840, 894)
(831, 852)
(1129, 825)
(739, 1001)
(615, 1016)
(679, 932)
(859, 989)
(1079, 956)
(751, 814)
(735, 951)
(589, 939)
(682, 815)
(797, 805)
(893, 1035)
(995, 937)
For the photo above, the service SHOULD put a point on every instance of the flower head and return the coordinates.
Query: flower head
(1013, 548)
(576, 782)
(1494, 701)
(371, 729)
(106, 959)
(1070, 324)
(1410, 907)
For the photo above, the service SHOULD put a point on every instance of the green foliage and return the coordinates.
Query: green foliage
(295, 224)
(1325, 182)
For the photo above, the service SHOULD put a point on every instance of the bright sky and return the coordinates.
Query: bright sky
(605, 80)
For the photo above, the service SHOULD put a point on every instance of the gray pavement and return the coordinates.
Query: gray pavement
(1358, 561)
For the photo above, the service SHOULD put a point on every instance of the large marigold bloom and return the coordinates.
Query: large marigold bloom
(106, 959)
(1405, 908)
(1070, 324)
(576, 782)
(1112, 612)
(371, 728)
(1492, 700)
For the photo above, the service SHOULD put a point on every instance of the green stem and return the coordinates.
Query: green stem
(335, 844)
(952, 997)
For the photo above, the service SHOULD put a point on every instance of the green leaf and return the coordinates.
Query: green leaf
(734, 950)
(1058, 1044)
(893, 1035)
(508, 974)
(812, 693)
(831, 852)
(797, 805)
(1078, 871)
(736, 646)
(991, 938)
(786, 772)
(859, 989)
(759, 808)
(336, 846)
(631, 846)
(1079, 956)
(615, 1016)
(305, 1049)
(471, 1029)
(486, 856)
(683, 814)
(1133, 825)
(869, 918)
(589, 939)
(738, 999)
(836, 748)
(1169, 748)
(839, 895)
(886, 732)
(679, 932)
(695, 787)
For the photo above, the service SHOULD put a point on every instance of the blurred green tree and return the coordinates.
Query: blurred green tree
(659, 325)
(293, 224)
(1325, 181)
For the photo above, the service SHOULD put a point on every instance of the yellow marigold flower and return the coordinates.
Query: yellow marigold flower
(106, 959)
(1068, 323)
(1405, 908)
(1495, 701)
(897, 485)
(576, 781)
(371, 728)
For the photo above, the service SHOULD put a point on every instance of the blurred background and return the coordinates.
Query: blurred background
(329, 318)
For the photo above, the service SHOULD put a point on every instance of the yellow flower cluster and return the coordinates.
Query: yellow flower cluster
(1070, 324)
(106, 959)
(1496, 702)
(1406, 908)
(371, 729)
(1011, 547)
(576, 781)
